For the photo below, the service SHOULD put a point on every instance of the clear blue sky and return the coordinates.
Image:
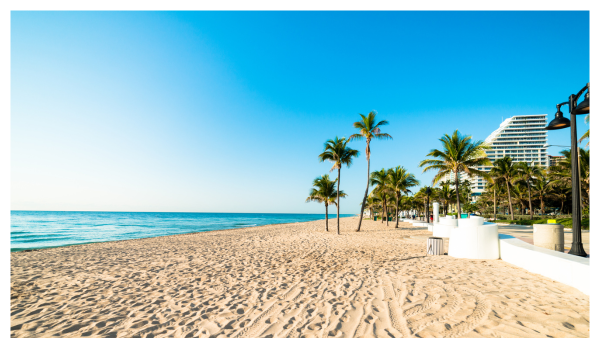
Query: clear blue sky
(228, 111)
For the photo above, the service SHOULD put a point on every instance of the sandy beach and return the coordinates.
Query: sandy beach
(287, 280)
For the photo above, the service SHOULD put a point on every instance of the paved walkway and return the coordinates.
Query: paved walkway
(525, 233)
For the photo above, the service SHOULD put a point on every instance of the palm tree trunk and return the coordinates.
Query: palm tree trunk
(338, 202)
(366, 190)
(326, 218)
(562, 202)
(383, 210)
(457, 195)
(530, 209)
(510, 207)
(495, 204)
(397, 206)
(387, 217)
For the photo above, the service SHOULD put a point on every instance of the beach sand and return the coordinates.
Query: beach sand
(287, 280)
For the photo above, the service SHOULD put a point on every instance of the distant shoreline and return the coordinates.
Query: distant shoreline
(179, 234)
(183, 212)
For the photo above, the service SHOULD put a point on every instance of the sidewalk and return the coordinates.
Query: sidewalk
(525, 233)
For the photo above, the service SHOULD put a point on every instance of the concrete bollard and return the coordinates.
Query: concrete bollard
(549, 236)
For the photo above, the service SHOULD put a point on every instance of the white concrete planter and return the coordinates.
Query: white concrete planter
(444, 227)
(474, 239)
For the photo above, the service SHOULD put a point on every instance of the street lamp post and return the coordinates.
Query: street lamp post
(561, 122)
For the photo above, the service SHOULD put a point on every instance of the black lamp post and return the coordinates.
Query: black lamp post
(561, 122)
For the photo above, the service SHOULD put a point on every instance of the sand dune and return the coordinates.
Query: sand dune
(289, 280)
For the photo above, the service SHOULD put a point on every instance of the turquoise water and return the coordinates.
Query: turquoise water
(46, 229)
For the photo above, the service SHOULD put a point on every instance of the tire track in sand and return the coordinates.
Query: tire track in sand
(395, 307)
(258, 325)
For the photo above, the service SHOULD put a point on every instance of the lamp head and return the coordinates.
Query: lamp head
(559, 121)
(584, 107)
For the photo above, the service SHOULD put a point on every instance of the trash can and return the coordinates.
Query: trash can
(550, 236)
(435, 246)
(374, 218)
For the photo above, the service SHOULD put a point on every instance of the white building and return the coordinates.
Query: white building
(523, 138)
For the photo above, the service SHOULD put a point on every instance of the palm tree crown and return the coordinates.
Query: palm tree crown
(324, 191)
(459, 154)
(338, 152)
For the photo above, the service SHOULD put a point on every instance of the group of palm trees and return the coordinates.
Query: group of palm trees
(337, 151)
(532, 187)
(524, 184)
(390, 185)
(508, 183)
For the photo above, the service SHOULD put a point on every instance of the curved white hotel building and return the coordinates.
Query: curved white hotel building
(523, 138)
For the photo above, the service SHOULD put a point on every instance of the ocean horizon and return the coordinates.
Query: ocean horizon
(30, 230)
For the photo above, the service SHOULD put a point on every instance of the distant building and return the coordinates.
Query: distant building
(553, 160)
(522, 138)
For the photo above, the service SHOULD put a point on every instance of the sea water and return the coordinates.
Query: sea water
(46, 229)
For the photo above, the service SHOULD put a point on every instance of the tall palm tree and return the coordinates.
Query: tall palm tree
(528, 174)
(324, 191)
(399, 181)
(380, 178)
(504, 170)
(368, 129)
(459, 154)
(338, 152)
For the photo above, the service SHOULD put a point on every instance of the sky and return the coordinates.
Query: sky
(228, 111)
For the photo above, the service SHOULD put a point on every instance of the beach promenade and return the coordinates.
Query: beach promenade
(525, 233)
(287, 280)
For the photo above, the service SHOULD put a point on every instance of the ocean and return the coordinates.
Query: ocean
(48, 229)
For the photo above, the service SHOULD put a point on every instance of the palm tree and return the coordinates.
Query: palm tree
(520, 195)
(459, 154)
(505, 171)
(494, 186)
(446, 194)
(324, 191)
(368, 129)
(380, 178)
(399, 181)
(562, 194)
(528, 174)
(542, 188)
(339, 153)
(561, 173)
(372, 202)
